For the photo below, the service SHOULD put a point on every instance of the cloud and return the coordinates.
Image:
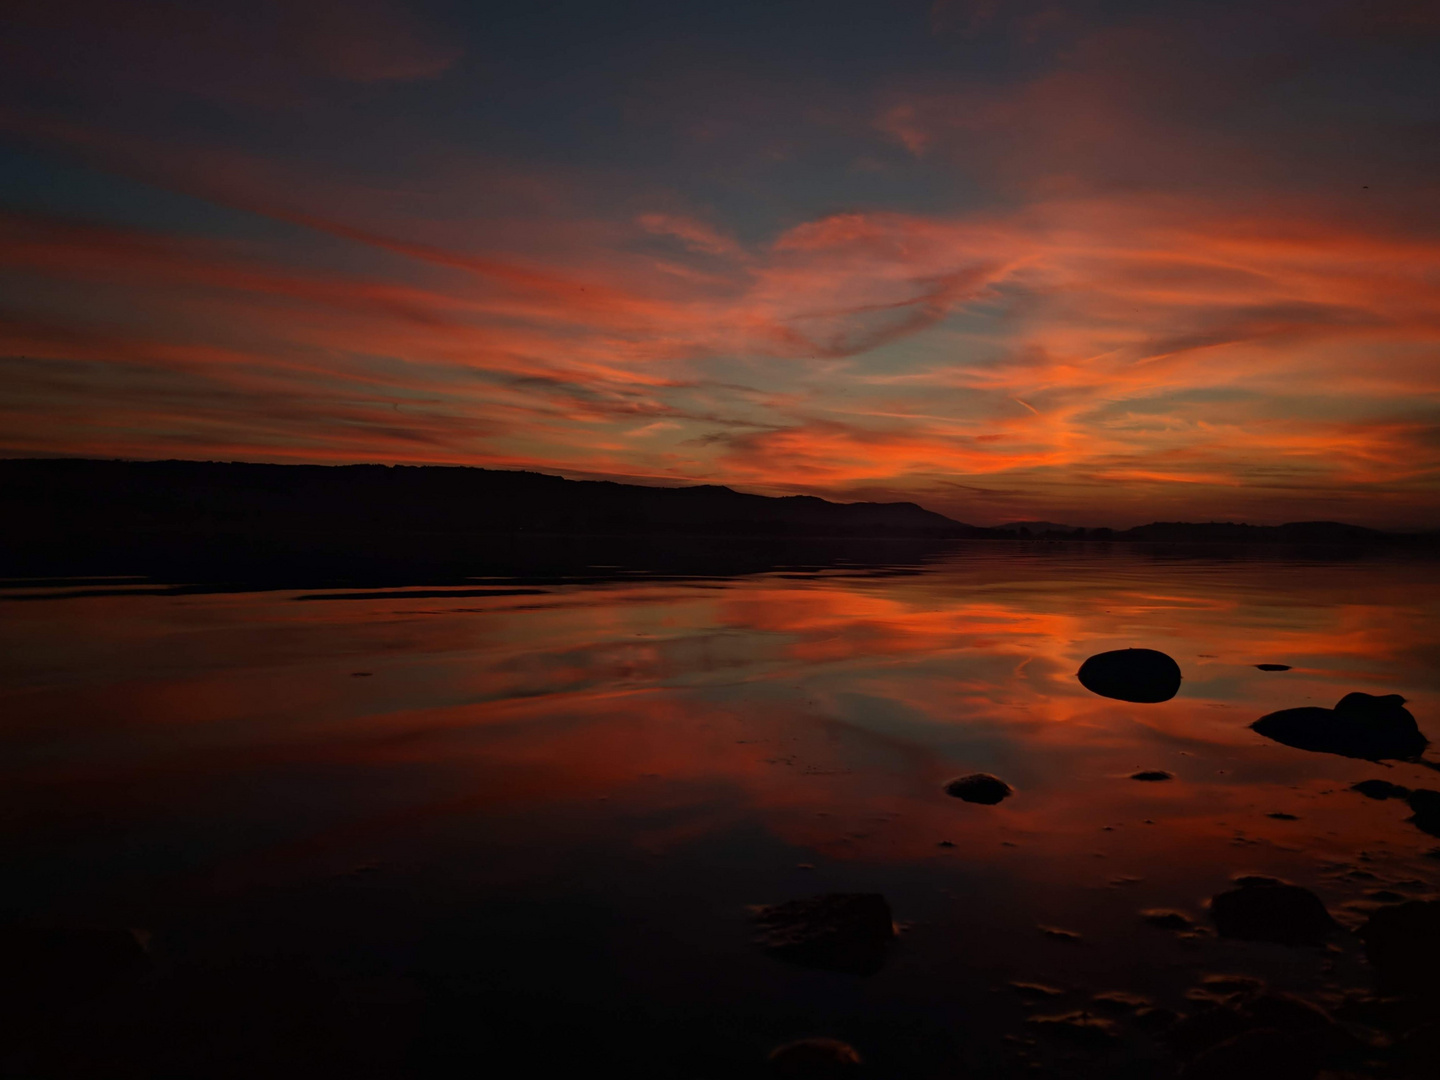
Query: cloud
(1130, 274)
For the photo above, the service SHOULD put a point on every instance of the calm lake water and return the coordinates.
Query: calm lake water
(419, 834)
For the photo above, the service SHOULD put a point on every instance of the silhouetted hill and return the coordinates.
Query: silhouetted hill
(235, 522)
(67, 496)
(1229, 532)
(1040, 528)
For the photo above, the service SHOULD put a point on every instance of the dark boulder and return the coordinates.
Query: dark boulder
(1255, 1032)
(814, 1058)
(1360, 726)
(1082, 1027)
(67, 963)
(1271, 911)
(1257, 1054)
(1152, 774)
(1166, 919)
(979, 788)
(837, 931)
(1139, 675)
(1273, 667)
(1425, 807)
(1380, 789)
(1402, 944)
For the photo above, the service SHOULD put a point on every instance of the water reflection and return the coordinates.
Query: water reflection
(542, 821)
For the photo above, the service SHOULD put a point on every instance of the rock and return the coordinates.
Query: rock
(1425, 805)
(1054, 933)
(1139, 675)
(1271, 911)
(1119, 1001)
(837, 931)
(1286, 1012)
(1080, 1027)
(67, 963)
(1380, 789)
(1167, 920)
(1247, 880)
(1228, 983)
(1036, 991)
(1152, 774)
(1156, 1019)
(814, 1058)
(1280, 815)
(1360, 726)
(1224, 1039)
(1402, 944)
(1258, 1054)
(979, 788)
(1273, 667)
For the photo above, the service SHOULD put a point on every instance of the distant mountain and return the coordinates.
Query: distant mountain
(1229, 532)
(74, 496)
(218, 521)
(1039, 528)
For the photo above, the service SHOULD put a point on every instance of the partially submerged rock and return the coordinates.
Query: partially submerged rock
(68, 962)
(1138, 675)
(1360, 726)
(814, 1058)
(979, 788)
(1152, 774)
(1258, 1054)
(1380, 789)
(1273, 667)
(1268, 910)
(836, 931)
(1425, 805)
(1402, 944)
(1255, 1033)
(1166, 919)
(1081, 1027)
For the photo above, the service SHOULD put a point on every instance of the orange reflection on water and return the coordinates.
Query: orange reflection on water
(828, 709)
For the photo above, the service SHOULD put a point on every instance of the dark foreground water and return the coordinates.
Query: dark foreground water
(466, 832)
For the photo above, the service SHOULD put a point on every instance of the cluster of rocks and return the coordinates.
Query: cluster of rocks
(1243, 1030)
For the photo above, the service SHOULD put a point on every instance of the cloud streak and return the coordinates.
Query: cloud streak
(1120, 330)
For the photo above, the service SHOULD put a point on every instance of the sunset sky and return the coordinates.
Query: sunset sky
(1093, 262)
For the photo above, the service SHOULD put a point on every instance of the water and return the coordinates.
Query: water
(419, 835)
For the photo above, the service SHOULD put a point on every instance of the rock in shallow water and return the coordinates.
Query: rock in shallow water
(1152, 774)
(1265, 910)
(837, 931)
(1380, 789)
(1425, 805)
(1402, 944)
(50, 963)
(1260, 1054)
(1139, 675)
(814, 1058)
(1360, 726)
(979, 788)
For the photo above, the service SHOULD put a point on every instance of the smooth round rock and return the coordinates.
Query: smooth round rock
(836, 931)
(1140, 675)
(979, 788)
(814, 1057)
(1266, 910)
(1402, 944)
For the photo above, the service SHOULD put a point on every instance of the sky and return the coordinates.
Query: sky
(1099, 263)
